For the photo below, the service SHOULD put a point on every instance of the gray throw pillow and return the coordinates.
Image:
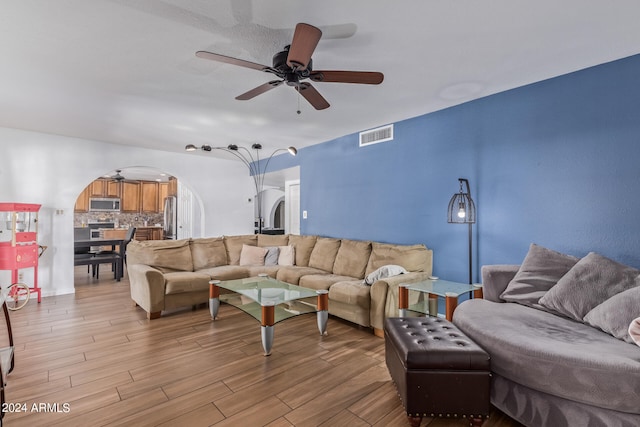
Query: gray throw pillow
(540, 270)
(593, 280)
(271, 258)
(616, 314)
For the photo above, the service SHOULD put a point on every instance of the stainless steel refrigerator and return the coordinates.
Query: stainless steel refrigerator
(170, 227)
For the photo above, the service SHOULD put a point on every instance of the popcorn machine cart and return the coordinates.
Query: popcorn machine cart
(18, 240)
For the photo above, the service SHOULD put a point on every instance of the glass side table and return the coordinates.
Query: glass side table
(430, 290)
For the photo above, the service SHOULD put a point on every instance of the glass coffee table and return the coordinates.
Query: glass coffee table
(432, 289)
(269, 301)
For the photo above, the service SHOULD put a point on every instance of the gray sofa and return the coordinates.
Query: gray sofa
(175, 273)
(549, 369)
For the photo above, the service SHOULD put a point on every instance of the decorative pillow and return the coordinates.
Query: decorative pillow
(208, 252)
(384, 272)
(272, 255)
(324, 253)
(590, 282)
(540, 270)
(615, 315)
(634, 330)
(252, 255)
(287, 255)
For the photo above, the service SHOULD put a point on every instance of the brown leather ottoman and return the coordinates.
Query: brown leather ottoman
(437, 369)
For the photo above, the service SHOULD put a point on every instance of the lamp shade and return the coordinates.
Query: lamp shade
(462, 210)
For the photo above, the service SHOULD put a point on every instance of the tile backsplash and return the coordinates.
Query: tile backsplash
(124, 220)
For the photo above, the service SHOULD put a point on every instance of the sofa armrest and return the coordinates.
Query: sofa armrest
(384, 297)
(147, 287)
(495, 279)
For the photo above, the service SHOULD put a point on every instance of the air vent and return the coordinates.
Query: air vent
(373, 136)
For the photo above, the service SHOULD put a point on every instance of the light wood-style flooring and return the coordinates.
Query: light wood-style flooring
(96, 353)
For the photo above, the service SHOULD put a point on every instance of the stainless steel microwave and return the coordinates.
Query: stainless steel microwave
(104, 205)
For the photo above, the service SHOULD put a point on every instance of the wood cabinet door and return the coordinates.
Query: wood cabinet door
(163, 192)
(113, 189)
(98, 188)
(149, 202)
(173, 186)
(82, 203)
(130, 197)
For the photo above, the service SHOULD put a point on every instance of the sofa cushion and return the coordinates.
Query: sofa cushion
(293, 274)
(616, 314)
(411, 257)
(352, 258)
(324, 253)
(226, 272)
(540, 270)
(163, 254)
(234, 246)
(553, 354)
(321, 281)
(273, 240)
(303, 246)
(255, 270)
(286, 255)
(352, 292)
(208, 252)
(590, 282)
(252, 255)
(185, 281)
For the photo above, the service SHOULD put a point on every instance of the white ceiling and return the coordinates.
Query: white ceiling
(125, 71)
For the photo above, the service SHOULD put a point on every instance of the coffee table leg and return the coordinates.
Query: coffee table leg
(323, 310)
(451, 302)
(403, 300)
(214, 298)
(266, 328)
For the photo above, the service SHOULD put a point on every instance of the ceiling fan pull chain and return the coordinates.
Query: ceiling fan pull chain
(298, 110)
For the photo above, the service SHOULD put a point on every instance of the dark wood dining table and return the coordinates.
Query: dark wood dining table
(120, 252)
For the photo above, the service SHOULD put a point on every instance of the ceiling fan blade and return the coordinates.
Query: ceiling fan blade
(230, 60)
(259, 90)
(305, 40)
(362, 77)
(312, 95)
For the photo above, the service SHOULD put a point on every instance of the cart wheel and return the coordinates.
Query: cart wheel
(18, 296)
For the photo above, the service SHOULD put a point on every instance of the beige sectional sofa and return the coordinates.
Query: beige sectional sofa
(166, 274)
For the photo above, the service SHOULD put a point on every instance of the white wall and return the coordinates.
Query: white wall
(52, 170)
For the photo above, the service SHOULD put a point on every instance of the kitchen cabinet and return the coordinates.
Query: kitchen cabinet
(82, 202)
(98, 188)
(130, 199)
(163, 192)
(148, 233)
(113, 188)
(149, 201)
(173, 186)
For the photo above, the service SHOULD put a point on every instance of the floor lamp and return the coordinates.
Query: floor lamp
(253, 161)
(462, 210)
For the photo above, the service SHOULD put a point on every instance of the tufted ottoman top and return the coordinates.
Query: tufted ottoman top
(434, 343)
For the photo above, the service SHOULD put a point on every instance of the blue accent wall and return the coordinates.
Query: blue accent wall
(556, 163)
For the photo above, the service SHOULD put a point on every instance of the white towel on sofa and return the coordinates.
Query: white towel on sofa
(634, 330)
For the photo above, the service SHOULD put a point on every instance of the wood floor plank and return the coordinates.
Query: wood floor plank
(102, 356)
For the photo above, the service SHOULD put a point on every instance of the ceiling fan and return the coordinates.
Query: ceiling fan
(117, 177)
(294, 64)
